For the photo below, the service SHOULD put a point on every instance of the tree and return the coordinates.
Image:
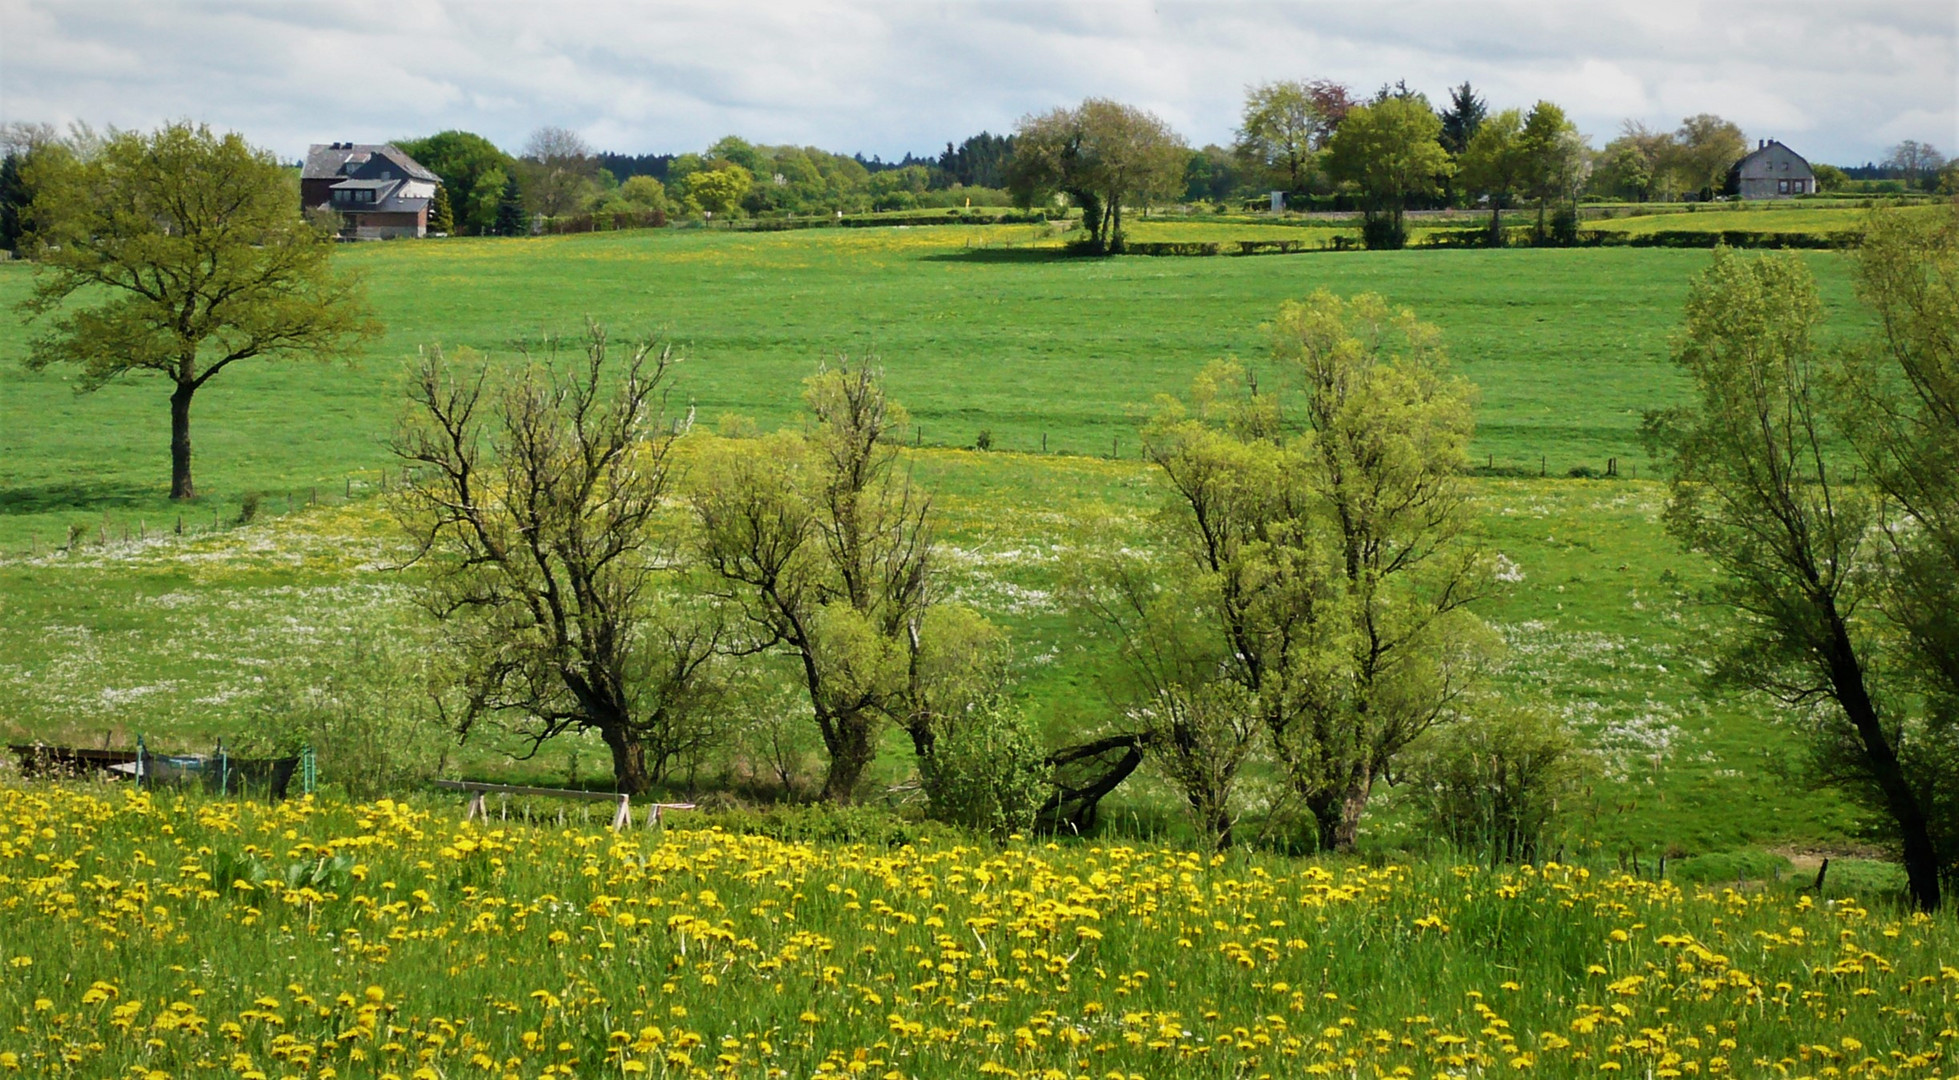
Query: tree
(188, 254)
(535, 512)
(1102, 153)
(1284, 123)
(1462, 119)
(1897, 404)
(560, 172)
(1555, 158)
(718, 190)
(472, 169)
(1319, 564)
(825, 546)
(511, 219)
(442, 214)
(1638, 164)
(1705, 148)
(1211, 175)
(1753, 489)
(14, 200)
(1389, 151)
(1915, 161)
(1495, 165)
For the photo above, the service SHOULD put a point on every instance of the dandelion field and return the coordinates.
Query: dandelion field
(161, 935)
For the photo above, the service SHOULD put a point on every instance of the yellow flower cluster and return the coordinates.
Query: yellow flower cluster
(163, 937)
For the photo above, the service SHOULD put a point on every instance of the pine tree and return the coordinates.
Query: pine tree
(510, 210)
(442, 217)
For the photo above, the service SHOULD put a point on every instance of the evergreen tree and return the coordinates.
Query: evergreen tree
(510, 209)
(1460, 120)
(14, 198)
(442, 217)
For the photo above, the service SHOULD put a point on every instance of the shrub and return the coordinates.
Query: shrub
(248, 507)
(1498, 785)
(985, 440)
(986, 772)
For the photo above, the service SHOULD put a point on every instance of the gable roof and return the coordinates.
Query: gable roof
(1768, 147)
(331, 161)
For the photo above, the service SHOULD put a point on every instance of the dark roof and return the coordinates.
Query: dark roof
(326, 161)
(388, 196)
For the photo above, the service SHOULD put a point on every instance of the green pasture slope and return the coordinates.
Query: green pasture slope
(980, 328)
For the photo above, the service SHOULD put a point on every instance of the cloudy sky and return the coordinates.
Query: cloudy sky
(1841, 81)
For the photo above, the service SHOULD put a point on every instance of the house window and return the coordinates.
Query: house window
(1782, 187)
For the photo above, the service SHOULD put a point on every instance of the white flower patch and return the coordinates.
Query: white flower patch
(1506, 570)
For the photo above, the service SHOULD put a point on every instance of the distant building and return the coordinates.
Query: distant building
(379, 192)
(1773, 171)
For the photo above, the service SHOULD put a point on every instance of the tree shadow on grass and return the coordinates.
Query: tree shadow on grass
(1002, 255)
(74, 495)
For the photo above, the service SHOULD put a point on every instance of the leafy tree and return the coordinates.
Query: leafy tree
(14, 199)
(1495, 164)
(1211, 175)
(442, 215)
(1556, 159)
(188, 254)
(1638, 164)
(825, 546)
(1753, 489)
(1705, 148)
(1102, 153)
(1829, 177)
(980, 161)
(1897, 404)
(465, 161)
(1279, 130)
(718, 190)
(1389, 151)
(535, 514)
(1462, 118)
(1318, 566)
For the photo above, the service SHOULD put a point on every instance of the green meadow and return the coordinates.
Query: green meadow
(982, 329)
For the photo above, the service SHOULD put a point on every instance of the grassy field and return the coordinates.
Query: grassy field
(138, 629)
(165, 936)
(978, 331)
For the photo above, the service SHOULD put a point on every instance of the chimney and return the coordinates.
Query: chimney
(1761, 144)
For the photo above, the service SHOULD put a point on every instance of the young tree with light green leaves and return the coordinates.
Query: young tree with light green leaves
(1389, 150)
(1314, 590)
(1495, 165)
(180, 253)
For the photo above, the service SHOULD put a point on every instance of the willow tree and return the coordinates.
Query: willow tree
(180, 253)
(1811, 565)
(1322, 562)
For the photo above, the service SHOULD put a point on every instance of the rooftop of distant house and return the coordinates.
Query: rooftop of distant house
(327, 161)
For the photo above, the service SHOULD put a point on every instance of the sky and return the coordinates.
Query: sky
(1840, 81)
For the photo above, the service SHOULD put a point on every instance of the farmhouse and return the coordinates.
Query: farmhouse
(379, 192)
(1773, 171)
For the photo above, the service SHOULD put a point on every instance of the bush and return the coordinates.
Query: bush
(1564, 227)
(825, 823)
(1381, 232)
(985, 440)
(987, 772)
(1499, 785)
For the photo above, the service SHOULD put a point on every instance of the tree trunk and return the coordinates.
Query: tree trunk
(851, 752)
(180, 483)
(1847, 683)
(628, 759)
(1496, 224)
(1336, 815)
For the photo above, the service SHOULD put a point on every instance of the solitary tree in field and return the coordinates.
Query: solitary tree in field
(535, 514)
(183, 253)
(1916, 160)
(1104, 154)
(1389, 150)
(1703, 151)
(1815, 568)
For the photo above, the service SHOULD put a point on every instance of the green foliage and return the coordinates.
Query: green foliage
(1501, 783)
(1283, 124)
(987, 771)
(718, 190)
(472, 169)
(188, 253)
(511, 220)
(1104, 155)
(1390, 151)
(442, 213)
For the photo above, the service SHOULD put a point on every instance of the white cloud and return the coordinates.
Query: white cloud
(1846, 78)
